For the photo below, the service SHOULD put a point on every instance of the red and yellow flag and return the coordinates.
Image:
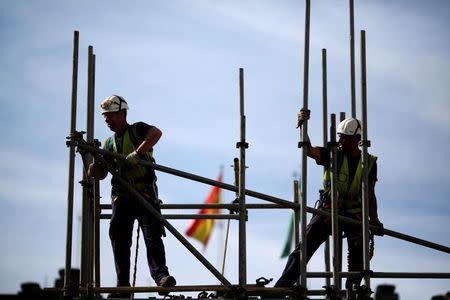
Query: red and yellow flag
(201, 229)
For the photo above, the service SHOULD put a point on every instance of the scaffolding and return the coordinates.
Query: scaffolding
(89, 285)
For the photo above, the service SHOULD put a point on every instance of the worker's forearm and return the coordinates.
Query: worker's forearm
(373, 207)
(373, 211)
(152, 137)
(314, 152)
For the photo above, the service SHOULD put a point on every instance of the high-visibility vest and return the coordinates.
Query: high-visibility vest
(349, 193)
(141, 177)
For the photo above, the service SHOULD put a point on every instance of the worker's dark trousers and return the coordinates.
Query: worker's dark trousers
(124, 212)
(317, 231)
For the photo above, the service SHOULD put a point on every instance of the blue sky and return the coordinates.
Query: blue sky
(176, 62)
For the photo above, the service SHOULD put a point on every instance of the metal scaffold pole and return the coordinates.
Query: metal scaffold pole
(242, 145)
(70, 191)
(278, 202)
(87, 239)
(352, 59)
(325, 141)
(303, 138)
(96, 204)
(365, 174)
(334, 207)
(150, 209)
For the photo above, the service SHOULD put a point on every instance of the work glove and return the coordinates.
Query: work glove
(133, 158)
(97, 170)
(380, 228)
(302, 116)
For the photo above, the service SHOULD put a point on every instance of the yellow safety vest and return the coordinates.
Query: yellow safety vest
(349, 193)
(138, 176)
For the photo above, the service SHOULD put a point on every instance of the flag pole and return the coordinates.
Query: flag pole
(236, 183)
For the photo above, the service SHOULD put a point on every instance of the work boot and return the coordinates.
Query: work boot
(166, 281)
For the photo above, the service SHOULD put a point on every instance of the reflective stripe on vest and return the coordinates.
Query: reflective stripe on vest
(349, 194)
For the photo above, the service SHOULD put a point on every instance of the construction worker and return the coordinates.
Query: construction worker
(136, 141)
(349, 176)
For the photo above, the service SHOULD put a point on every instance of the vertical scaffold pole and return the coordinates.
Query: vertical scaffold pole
(303, 137)
(97, 210)
(352, 59)
(242, 145)
(334, 208)
(73, 121)
(325, 141)
(365, 175)
(340, 233)
(87, 242)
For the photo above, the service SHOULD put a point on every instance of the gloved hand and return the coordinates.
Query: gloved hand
(380, 230)
(133, 158)
(302, 116)
(97, 170)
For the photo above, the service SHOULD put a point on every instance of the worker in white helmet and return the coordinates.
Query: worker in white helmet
(136, 141)
(349, 201)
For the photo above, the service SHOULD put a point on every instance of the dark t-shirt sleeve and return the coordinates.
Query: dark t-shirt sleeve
(142, 129)
(373, 173)
(324, 157)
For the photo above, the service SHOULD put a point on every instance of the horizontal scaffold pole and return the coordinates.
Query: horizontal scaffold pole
(400, 275)
(261, 196)
(189, 217)
(231, 206)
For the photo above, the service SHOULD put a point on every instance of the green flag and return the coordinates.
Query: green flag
(290, 236)
(288, 244)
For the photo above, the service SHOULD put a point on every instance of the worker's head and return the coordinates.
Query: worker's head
(114, 110)
(349, 132)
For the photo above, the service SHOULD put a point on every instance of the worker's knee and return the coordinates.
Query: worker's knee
(354, 243)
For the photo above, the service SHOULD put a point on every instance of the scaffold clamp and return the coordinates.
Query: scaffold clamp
(365, 143)
(242, 144)
(74, 137)
(262, 281)
(233, 210)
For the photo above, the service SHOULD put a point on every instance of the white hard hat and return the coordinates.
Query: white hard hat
(113, 103)
(349, 126)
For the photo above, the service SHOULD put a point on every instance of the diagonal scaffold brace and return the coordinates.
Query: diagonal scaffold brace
(82, 146)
